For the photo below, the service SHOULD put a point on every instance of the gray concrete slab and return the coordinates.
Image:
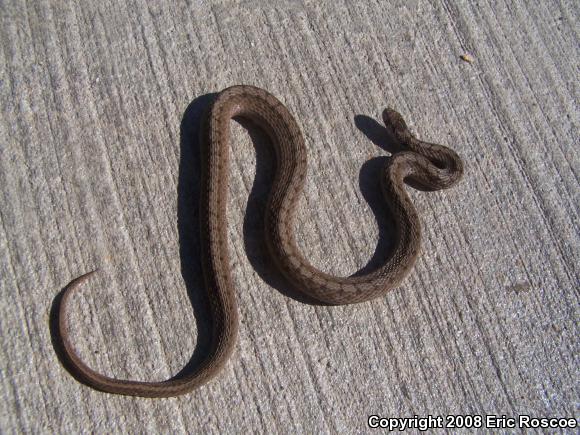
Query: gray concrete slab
(98, 169)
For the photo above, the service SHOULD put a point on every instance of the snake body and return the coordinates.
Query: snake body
(429, 166)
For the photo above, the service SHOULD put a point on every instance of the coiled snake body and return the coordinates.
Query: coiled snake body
(429, 166)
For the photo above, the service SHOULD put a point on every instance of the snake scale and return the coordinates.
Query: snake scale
(428, 166)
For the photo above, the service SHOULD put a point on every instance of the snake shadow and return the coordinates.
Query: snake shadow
(253, 224)
(188, 221)
(369, 184)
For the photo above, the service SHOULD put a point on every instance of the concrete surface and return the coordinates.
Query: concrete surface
(99, 168)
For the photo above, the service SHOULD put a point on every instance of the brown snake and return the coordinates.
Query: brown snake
(428, 166)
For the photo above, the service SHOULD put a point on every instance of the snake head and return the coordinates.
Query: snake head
(397, 125)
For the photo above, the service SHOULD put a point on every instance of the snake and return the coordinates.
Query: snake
(424, 165)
